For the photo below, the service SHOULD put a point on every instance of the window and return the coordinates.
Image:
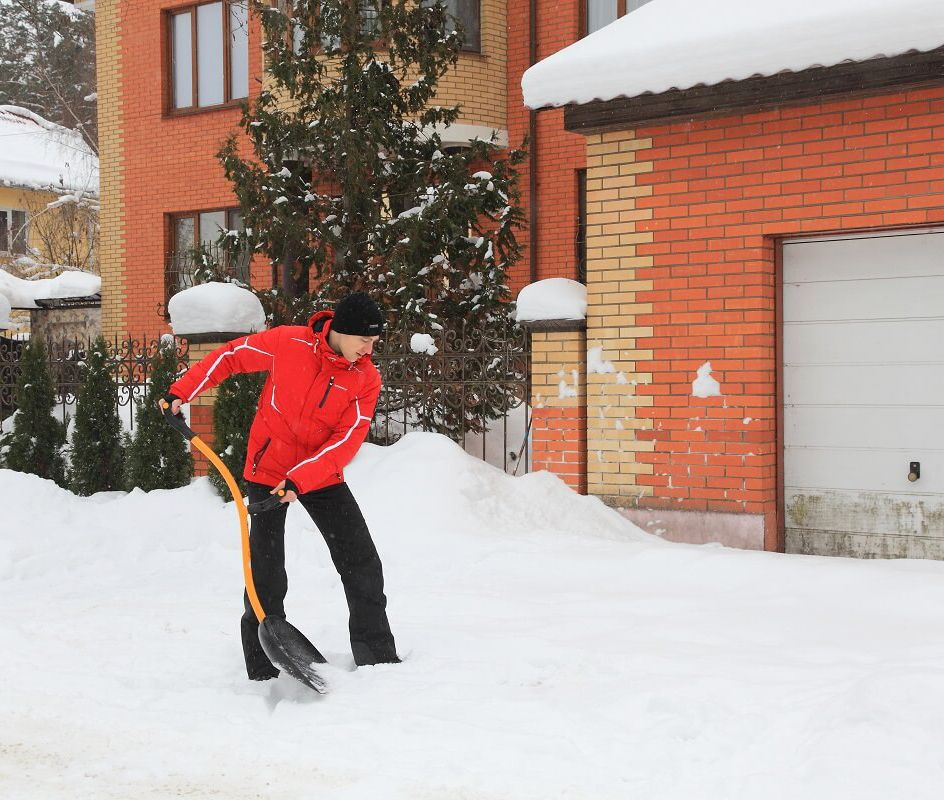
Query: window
(467, 13)
(13, 231)
(199, 232)
(598, 13)
(209, 54)
(580, 240)
(370, 25)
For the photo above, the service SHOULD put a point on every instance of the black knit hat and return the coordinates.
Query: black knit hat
(357, 315)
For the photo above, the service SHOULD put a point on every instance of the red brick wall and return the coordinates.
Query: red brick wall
(559, 444)
(723, 190)
(169, 162)
(559, 153)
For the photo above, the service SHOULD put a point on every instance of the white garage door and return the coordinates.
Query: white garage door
(863, 350)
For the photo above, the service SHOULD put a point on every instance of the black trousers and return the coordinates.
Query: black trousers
(337, 515)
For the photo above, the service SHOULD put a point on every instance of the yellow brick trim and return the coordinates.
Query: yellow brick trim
(558, 369)
(111, 165)
(614, 160)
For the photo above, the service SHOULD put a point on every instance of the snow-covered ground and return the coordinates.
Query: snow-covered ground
(552, 651)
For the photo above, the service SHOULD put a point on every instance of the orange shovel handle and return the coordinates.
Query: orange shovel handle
(178, 422)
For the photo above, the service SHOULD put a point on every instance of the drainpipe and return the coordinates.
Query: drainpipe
(533, 148)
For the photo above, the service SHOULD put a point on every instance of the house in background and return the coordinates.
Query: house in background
(172, 77)
(686, 195)
(46, 173)
(161, 122)
(765, 272)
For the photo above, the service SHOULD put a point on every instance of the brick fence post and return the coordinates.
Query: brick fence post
(559, 400)
(201, 409)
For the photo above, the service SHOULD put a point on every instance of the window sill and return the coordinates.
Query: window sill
(170, 113)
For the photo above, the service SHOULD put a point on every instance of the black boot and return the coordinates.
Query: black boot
(365, 656)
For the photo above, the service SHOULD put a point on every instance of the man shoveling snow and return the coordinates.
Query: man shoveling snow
(313, 415)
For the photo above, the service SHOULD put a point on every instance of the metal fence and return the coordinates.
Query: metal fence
(472, 384)
(131, 361)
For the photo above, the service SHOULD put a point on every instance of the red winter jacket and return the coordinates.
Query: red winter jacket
(314, 411)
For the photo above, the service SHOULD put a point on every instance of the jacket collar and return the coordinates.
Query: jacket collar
(320, 325)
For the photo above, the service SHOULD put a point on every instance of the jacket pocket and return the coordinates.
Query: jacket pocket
(259, 453)
(327, 392)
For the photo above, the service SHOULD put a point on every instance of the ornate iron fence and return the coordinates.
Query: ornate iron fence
(472, 384)
(131, 360)
(9, 373)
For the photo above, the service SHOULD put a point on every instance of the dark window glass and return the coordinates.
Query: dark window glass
(19, 231)
(468, 15)
(4, 232)
(580, 241)
(14, 232)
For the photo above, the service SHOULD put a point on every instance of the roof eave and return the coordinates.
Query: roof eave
(57, 190)
(874, 76)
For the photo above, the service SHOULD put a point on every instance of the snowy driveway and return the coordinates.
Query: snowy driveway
(552, 651)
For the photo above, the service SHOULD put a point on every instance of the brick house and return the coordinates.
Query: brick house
(162, 120)
(678, 219)
(765, 195)
(164, 191)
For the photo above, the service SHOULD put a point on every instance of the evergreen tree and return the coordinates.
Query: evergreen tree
(97, 451)
(348, 182)
(348, 177)
(158, 457)
(233, 411)
(35, 443)
(47, 62)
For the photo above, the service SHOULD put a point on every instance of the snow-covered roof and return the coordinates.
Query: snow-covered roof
(38, 154)
(678, 44)
(71, 284)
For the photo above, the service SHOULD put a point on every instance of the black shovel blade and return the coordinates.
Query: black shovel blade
(289, 650)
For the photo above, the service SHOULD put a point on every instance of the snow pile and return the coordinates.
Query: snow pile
(423, 343)
(5, 309)
(677, 44)
(552, 298)
(39, 154)
(552, 651)
(215, 308)
(72, 283)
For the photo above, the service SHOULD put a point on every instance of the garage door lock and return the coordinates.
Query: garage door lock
(914, 471)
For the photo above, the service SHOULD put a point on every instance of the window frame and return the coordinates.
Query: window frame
(466, 50)
(170, 289)
(16, 245)
(378, 44)
(195, 215)
(170, 109)
(584, 15)
(580, 235)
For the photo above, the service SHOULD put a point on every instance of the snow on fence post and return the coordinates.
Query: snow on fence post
(554, 311)
(208, 316)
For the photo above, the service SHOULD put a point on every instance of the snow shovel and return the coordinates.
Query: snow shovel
(285, 645)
